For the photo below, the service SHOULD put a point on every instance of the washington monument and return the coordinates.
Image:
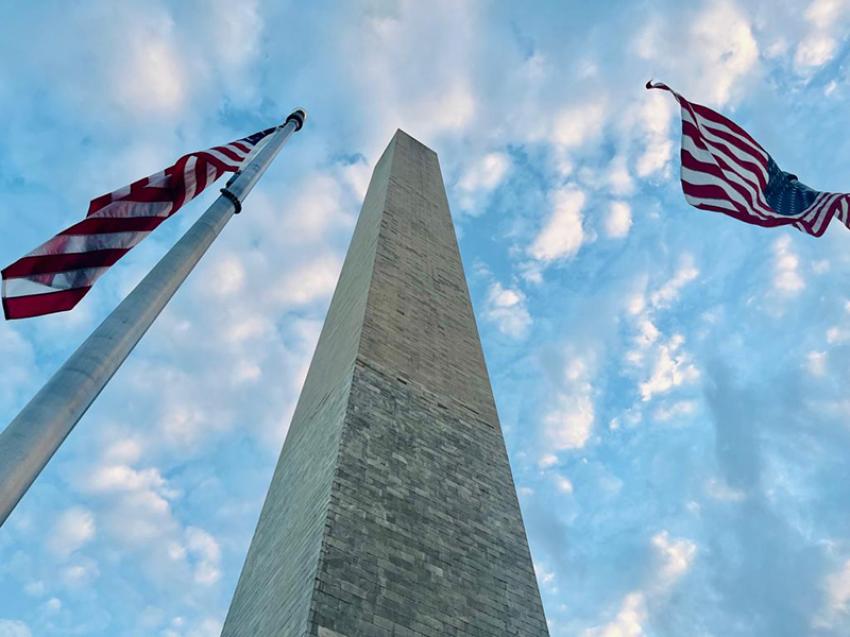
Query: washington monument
(392, 510)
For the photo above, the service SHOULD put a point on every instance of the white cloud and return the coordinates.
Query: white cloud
(80, 574)
(822, 14)
(437, 41)
(628, 621)
(74, 528)
(836, 335)
(17, 377)
(816, 363)
(786, 278)
(547, 460)
(317, 207)
(123, 451)
(208, 627)
(137, 515)
(721, 491)
(619, 178)
(531, 272)
(661, 364)
(655, 114)
(506, 308)
(619, 219)
(159, 80)
(14, 628)
(723, 36)
(664, 296)
(35, 588)
(636, 304)
(821, 266)
(678, 409)
(675, 557)
(118, 478)
(545, 576)
(569, 422)
(815, 50)
(233, 34)
(227, 276)
(563, 484)
(139, 510)
(827, 22)
(206, 552)
(480, 178)
(647, 334)
(579, 124)
(53, 604)
(672, 368)
(837, 598)
(308, 282)
(716, 53)
(562, 235)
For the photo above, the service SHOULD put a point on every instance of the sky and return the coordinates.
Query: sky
(670, 381)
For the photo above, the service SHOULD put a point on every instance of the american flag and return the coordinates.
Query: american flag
(725, 170)
(58, 273)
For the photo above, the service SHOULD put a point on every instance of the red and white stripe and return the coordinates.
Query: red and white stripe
(725, 170)
(58, 273)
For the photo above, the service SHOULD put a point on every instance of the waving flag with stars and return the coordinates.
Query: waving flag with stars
(725, 170)
(58, 273)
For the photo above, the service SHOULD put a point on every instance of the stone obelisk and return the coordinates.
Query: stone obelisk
(392, 511)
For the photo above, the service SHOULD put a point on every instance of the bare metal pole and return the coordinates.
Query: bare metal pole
(32, 438)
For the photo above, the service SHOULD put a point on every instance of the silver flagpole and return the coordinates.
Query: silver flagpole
(32, 438)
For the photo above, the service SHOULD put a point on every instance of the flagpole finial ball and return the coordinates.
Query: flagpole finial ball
(298, 116)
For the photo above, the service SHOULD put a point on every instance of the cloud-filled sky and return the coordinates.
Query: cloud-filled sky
(670, 381)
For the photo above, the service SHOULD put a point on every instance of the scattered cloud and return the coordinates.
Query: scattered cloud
(827, 20)
(655, 115)
(816, 363)
(723, 34)
(548, 139)
(563, 234)
(73, 529)
(547, 460)
(786, 279)
(815, 50)
(14, 628)
(674, 557)
(662, 364)
(563, 484)
(671, 368)
(80, 574)
(619, 220)
(619, 178)
(628, 622)
(206, 553)
(677, 410)
(720, 490)
(568, 424)
(482, 177)
(836, 335)
(579, 124)
(724, 49)
(506, 307)
(668, 293)
(837, 602)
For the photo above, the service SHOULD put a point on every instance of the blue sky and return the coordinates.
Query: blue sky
(670, 381)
